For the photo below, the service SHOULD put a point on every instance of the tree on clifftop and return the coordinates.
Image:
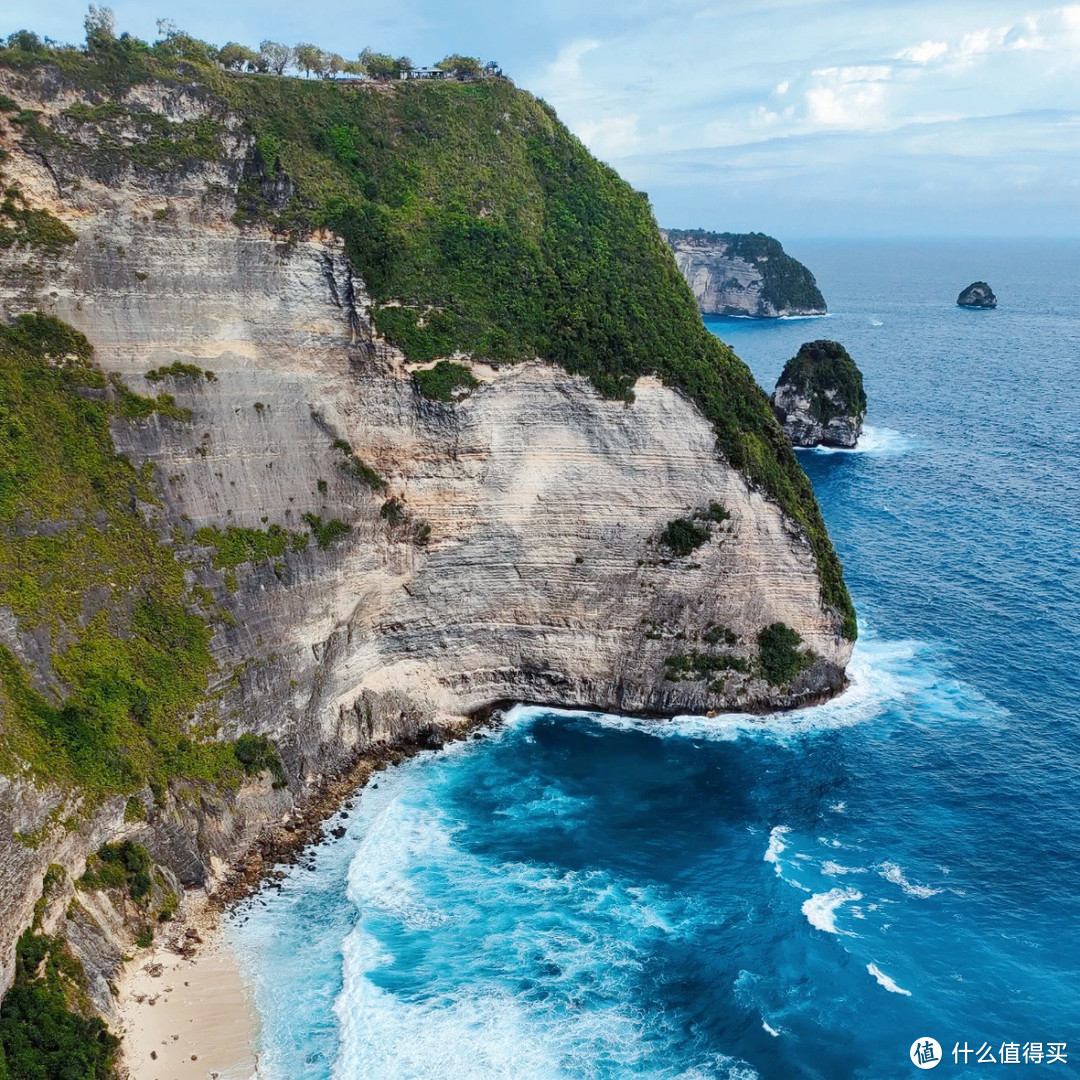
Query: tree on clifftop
(309, 58)
(276, 56)
(378, 65)
(464, 67)
(236, 57)
(100, 26)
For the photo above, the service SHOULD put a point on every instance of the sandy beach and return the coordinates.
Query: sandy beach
(187, 1017)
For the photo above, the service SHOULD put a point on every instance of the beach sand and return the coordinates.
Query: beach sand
(193, 1013)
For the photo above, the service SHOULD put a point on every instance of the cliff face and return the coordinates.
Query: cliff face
(504, 547)
(744, 274)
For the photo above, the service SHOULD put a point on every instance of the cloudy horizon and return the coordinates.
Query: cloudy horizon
(801, 118)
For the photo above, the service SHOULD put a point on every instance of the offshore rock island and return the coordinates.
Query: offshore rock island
(744, 274)
(977, 295)
(819, 398)
(328, 425)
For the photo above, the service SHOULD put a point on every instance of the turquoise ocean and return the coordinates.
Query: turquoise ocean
(805, 895)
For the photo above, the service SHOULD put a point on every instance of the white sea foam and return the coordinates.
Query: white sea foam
(833, 869)
(884, 980)
(776, 846)
(880, 674)
(880, 441)
(891, 872)
(447, 1004)
(770, 1029)
(820, 910)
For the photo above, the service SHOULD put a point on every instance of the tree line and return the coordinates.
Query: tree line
(271, 57)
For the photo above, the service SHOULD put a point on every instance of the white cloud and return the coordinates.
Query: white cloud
(566, 67)
(924, 53)
(848, 97)
(783, 87)
(610, 137)
(979, 42)
(855, 105)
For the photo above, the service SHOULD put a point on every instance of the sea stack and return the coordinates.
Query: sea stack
(819, 397)
(977, 294)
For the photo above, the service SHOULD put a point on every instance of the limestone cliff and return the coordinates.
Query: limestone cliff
(744, 274)
(410, 561)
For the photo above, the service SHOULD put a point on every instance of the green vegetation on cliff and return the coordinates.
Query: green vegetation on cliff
(683, 536)
(780, 658)
(83, 569)
(257, 754)
(479, 225)
(126, 865)
(47, 1027)
(825, 373)
(24, 226)
(445, 382)
(236, 545)
(46, 1033)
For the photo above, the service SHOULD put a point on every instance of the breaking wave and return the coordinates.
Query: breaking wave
(820, 910)
(884, 980)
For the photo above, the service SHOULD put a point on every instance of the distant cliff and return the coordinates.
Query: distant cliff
(244, 535)
(744, 274)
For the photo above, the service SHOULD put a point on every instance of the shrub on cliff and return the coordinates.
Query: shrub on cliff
(126, 865)
(446, 381)
(779, 654)
(256, 754)
(326, 532)
(682, 537)
(45, 1033)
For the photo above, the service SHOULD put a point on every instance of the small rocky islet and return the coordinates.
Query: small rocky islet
(977, 295)
(819, 398)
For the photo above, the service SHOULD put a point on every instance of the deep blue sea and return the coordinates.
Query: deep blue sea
(804, 896)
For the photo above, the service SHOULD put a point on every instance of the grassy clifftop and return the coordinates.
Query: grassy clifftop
(478, 222)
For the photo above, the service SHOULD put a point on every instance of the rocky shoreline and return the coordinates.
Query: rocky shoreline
(205, 988)
(282, 844)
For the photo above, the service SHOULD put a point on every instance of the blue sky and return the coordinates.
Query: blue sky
(796, 117)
